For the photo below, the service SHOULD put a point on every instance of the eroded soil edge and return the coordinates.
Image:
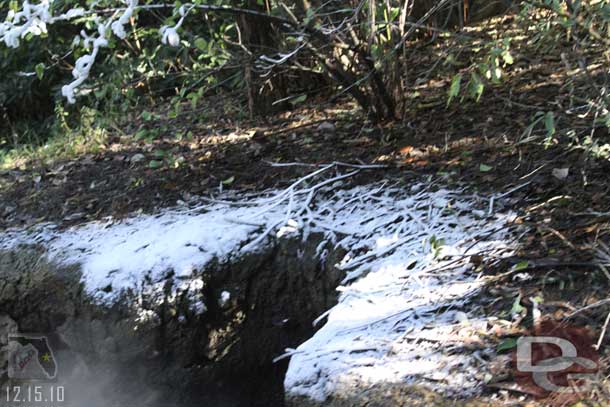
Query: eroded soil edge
(154, 346)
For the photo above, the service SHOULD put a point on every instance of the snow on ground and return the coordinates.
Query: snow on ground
(405, 297)
(405, 317)
(118, 253)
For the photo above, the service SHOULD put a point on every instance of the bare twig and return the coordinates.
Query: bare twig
(601, 336)
(590, 306)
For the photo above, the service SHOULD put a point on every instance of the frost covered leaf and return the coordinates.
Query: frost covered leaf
(224, 299)
(561, 173)
(170, 36)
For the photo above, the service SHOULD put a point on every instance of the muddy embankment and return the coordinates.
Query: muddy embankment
(190, 306)
(209, 340)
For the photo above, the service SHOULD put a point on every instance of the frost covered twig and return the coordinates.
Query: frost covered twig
(289, 193)
(33, 19)
(83, 65)
(336, 163)
(169, 35)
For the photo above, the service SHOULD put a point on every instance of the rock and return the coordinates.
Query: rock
(326, 127)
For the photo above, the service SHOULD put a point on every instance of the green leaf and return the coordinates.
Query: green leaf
(154, 164)
(549, 124)
(522, 265)
(298, 100)
(201, 44)
(147, 116)
(228, 181)
(485, 168)
(101, 93)
(506, 344)
(475, 86)
(309, 16)
(194, 97)
(454, 90)
(40, 70)
(142, 133)
(517, 308)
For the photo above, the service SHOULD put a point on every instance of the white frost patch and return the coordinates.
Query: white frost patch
(224, 299)
(119, 254)
(405, 313)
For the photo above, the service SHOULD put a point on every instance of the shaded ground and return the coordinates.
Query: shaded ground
(485, 145)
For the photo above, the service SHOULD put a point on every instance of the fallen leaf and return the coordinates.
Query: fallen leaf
(561, 173)
(485, 168)
(155, 164)
(521, 265)
(406, 150)
(506, 344)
